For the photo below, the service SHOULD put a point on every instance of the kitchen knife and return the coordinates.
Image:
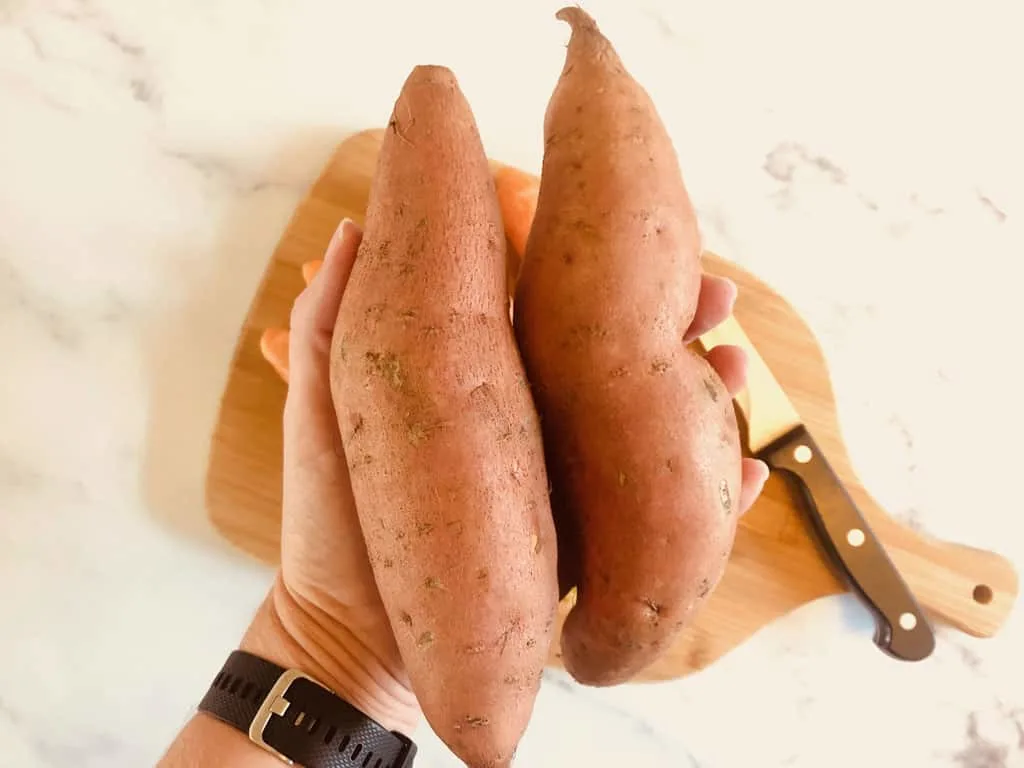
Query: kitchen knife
(777, 435)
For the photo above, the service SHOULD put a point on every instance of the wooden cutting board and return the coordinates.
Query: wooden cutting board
(775, 566)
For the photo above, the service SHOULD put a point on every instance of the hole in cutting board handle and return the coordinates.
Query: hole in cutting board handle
(983, 594)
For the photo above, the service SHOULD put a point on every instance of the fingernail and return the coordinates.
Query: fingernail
(339, 234)
(732, 291)
(764, 474)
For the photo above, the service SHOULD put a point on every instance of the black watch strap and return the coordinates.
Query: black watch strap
(298, 719)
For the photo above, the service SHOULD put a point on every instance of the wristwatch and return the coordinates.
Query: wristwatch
(299, 719)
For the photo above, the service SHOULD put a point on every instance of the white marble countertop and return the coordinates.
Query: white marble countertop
(865, 159)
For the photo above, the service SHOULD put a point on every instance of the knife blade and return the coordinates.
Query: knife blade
(777, 435)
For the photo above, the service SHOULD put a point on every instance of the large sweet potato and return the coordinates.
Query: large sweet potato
(440, 432)
(641, 439)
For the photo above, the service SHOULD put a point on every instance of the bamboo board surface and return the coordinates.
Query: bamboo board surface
(776, 565)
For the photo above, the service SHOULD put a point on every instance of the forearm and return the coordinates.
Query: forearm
(284, 632)
(205, 741)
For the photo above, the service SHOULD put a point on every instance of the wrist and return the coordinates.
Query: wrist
(295, 634)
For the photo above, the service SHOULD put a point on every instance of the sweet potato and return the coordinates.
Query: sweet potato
(440, 432)
(311, 269)
(517, 196)
(275, 342)
(641, 439)
(274, 348)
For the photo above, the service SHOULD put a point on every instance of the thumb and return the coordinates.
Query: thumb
(316, 309)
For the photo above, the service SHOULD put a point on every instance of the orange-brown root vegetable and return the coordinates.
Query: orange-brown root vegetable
(440, 433)
(275, 342)
(310, 270)
(274, 348)
(517, 196)
(641, 439)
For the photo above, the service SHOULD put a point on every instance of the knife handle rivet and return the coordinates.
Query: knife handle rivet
(855, 537)
(802, 454)
(908, 621)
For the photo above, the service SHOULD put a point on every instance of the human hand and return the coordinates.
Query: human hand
(517, 193)
(715, 303)
(325, 605)
(325, 613)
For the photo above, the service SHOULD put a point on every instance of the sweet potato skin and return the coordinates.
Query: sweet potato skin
(440, 432)
(641, 439)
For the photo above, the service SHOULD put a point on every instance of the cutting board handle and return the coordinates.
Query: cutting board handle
(971, 589)
(775, 567)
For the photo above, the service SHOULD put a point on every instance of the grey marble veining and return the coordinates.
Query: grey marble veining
(864, 160)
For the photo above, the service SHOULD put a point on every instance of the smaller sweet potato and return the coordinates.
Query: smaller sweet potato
(640, 435)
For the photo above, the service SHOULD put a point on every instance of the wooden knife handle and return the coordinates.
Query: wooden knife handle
(901, 627)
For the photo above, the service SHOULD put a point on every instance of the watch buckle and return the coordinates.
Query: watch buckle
(275, 703)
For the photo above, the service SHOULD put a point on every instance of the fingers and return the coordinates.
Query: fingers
(753, 477)
(310, 424)
(714, 304)
(730, 363)
(316, 308)
(333, 275)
